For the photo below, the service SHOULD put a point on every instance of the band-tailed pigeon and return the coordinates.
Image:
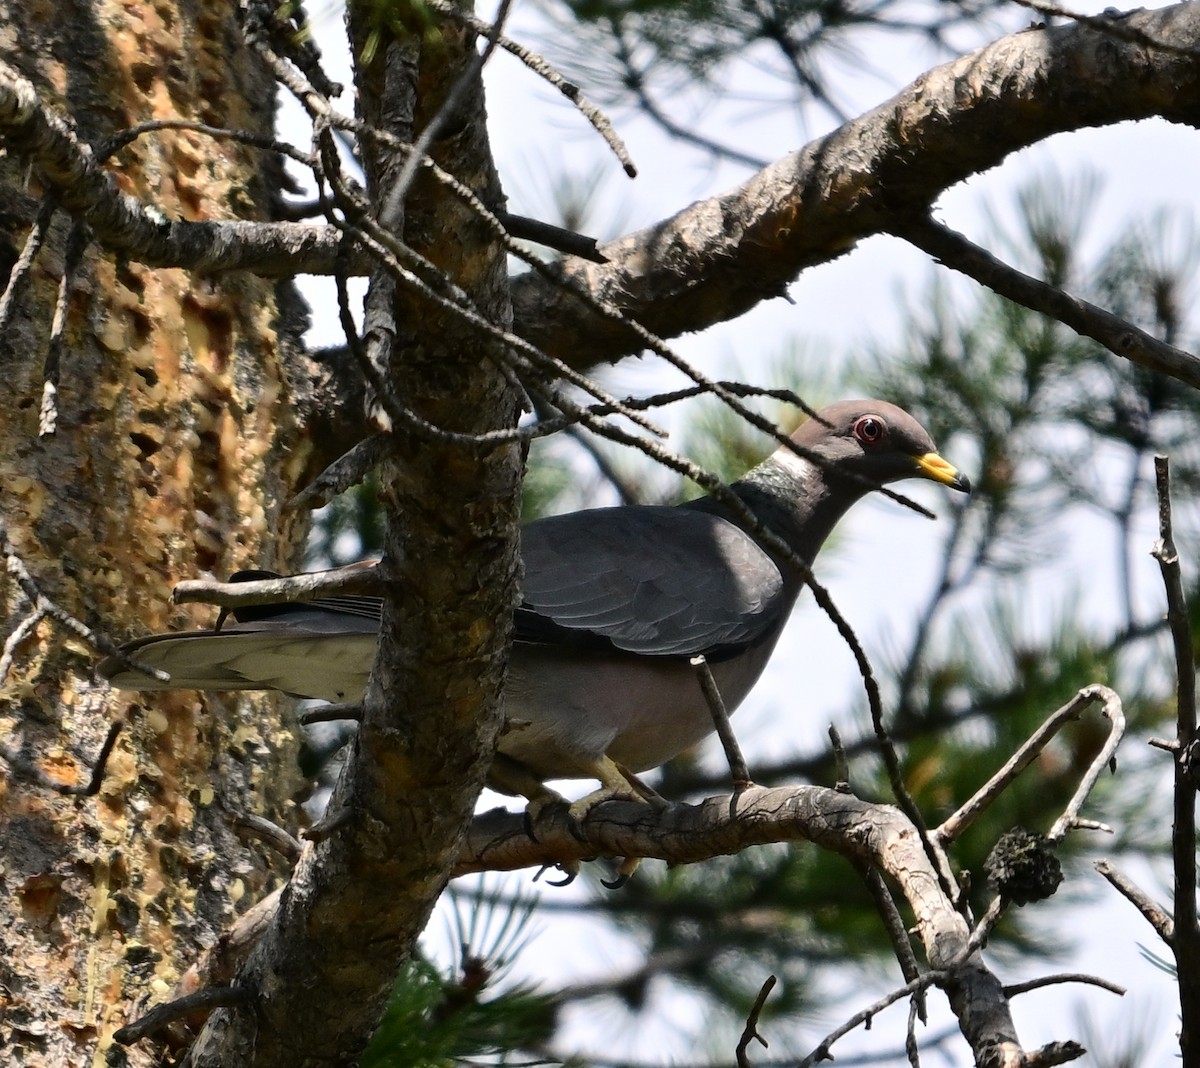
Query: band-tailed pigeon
(616, 603)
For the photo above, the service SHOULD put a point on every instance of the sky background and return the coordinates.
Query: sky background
(882, 568)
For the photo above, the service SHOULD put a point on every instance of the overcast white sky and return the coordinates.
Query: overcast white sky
(840, 306)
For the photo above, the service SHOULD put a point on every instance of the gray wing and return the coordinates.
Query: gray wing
(648, 580)
(658, 581)
(306, 652)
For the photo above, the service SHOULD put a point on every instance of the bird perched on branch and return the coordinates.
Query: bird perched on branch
(616, 603)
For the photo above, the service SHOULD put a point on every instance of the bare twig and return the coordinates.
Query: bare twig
(897, 932)
(20, 269)
(864, 1016)
(48, 413)
(1186, 941)
(910, 1033)
(842, 782)
(1155, 914)
(983, 929)
(720, 717)
(46, 607)
(949, 579)
(162, 1016)
(1105, 759)
(750, 1032)
(957, 823)
(634, 80)
(348, 470)
(359, 578)
(270, 833)
(539, 66)
(18, 634)
(556, 237)
(885, 745)
(1012, 990)
(221, 133)
(369, 359)
(1109, 23)
(1117, 335)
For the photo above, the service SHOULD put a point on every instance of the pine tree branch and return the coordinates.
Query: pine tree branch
(876, 834)
(719, 257)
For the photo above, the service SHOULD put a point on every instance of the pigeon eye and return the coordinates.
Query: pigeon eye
(869, 430)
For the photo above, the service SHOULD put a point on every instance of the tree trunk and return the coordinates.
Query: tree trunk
(431, 714)
(179, 433)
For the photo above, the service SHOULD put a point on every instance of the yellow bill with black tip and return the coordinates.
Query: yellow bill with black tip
(932, 466)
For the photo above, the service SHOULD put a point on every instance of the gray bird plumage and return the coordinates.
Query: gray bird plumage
(615, 603)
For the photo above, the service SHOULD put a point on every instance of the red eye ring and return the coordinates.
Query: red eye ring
(870, 430)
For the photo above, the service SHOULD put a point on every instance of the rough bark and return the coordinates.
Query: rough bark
(177, 439)
(431, 713)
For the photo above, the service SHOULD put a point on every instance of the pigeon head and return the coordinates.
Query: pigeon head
(876, 441)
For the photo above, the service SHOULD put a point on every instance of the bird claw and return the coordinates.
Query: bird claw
(624, 873)
(576, 815)
(569, 868)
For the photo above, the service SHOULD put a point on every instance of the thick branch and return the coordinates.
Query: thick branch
(719, 257)
(876, 834)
